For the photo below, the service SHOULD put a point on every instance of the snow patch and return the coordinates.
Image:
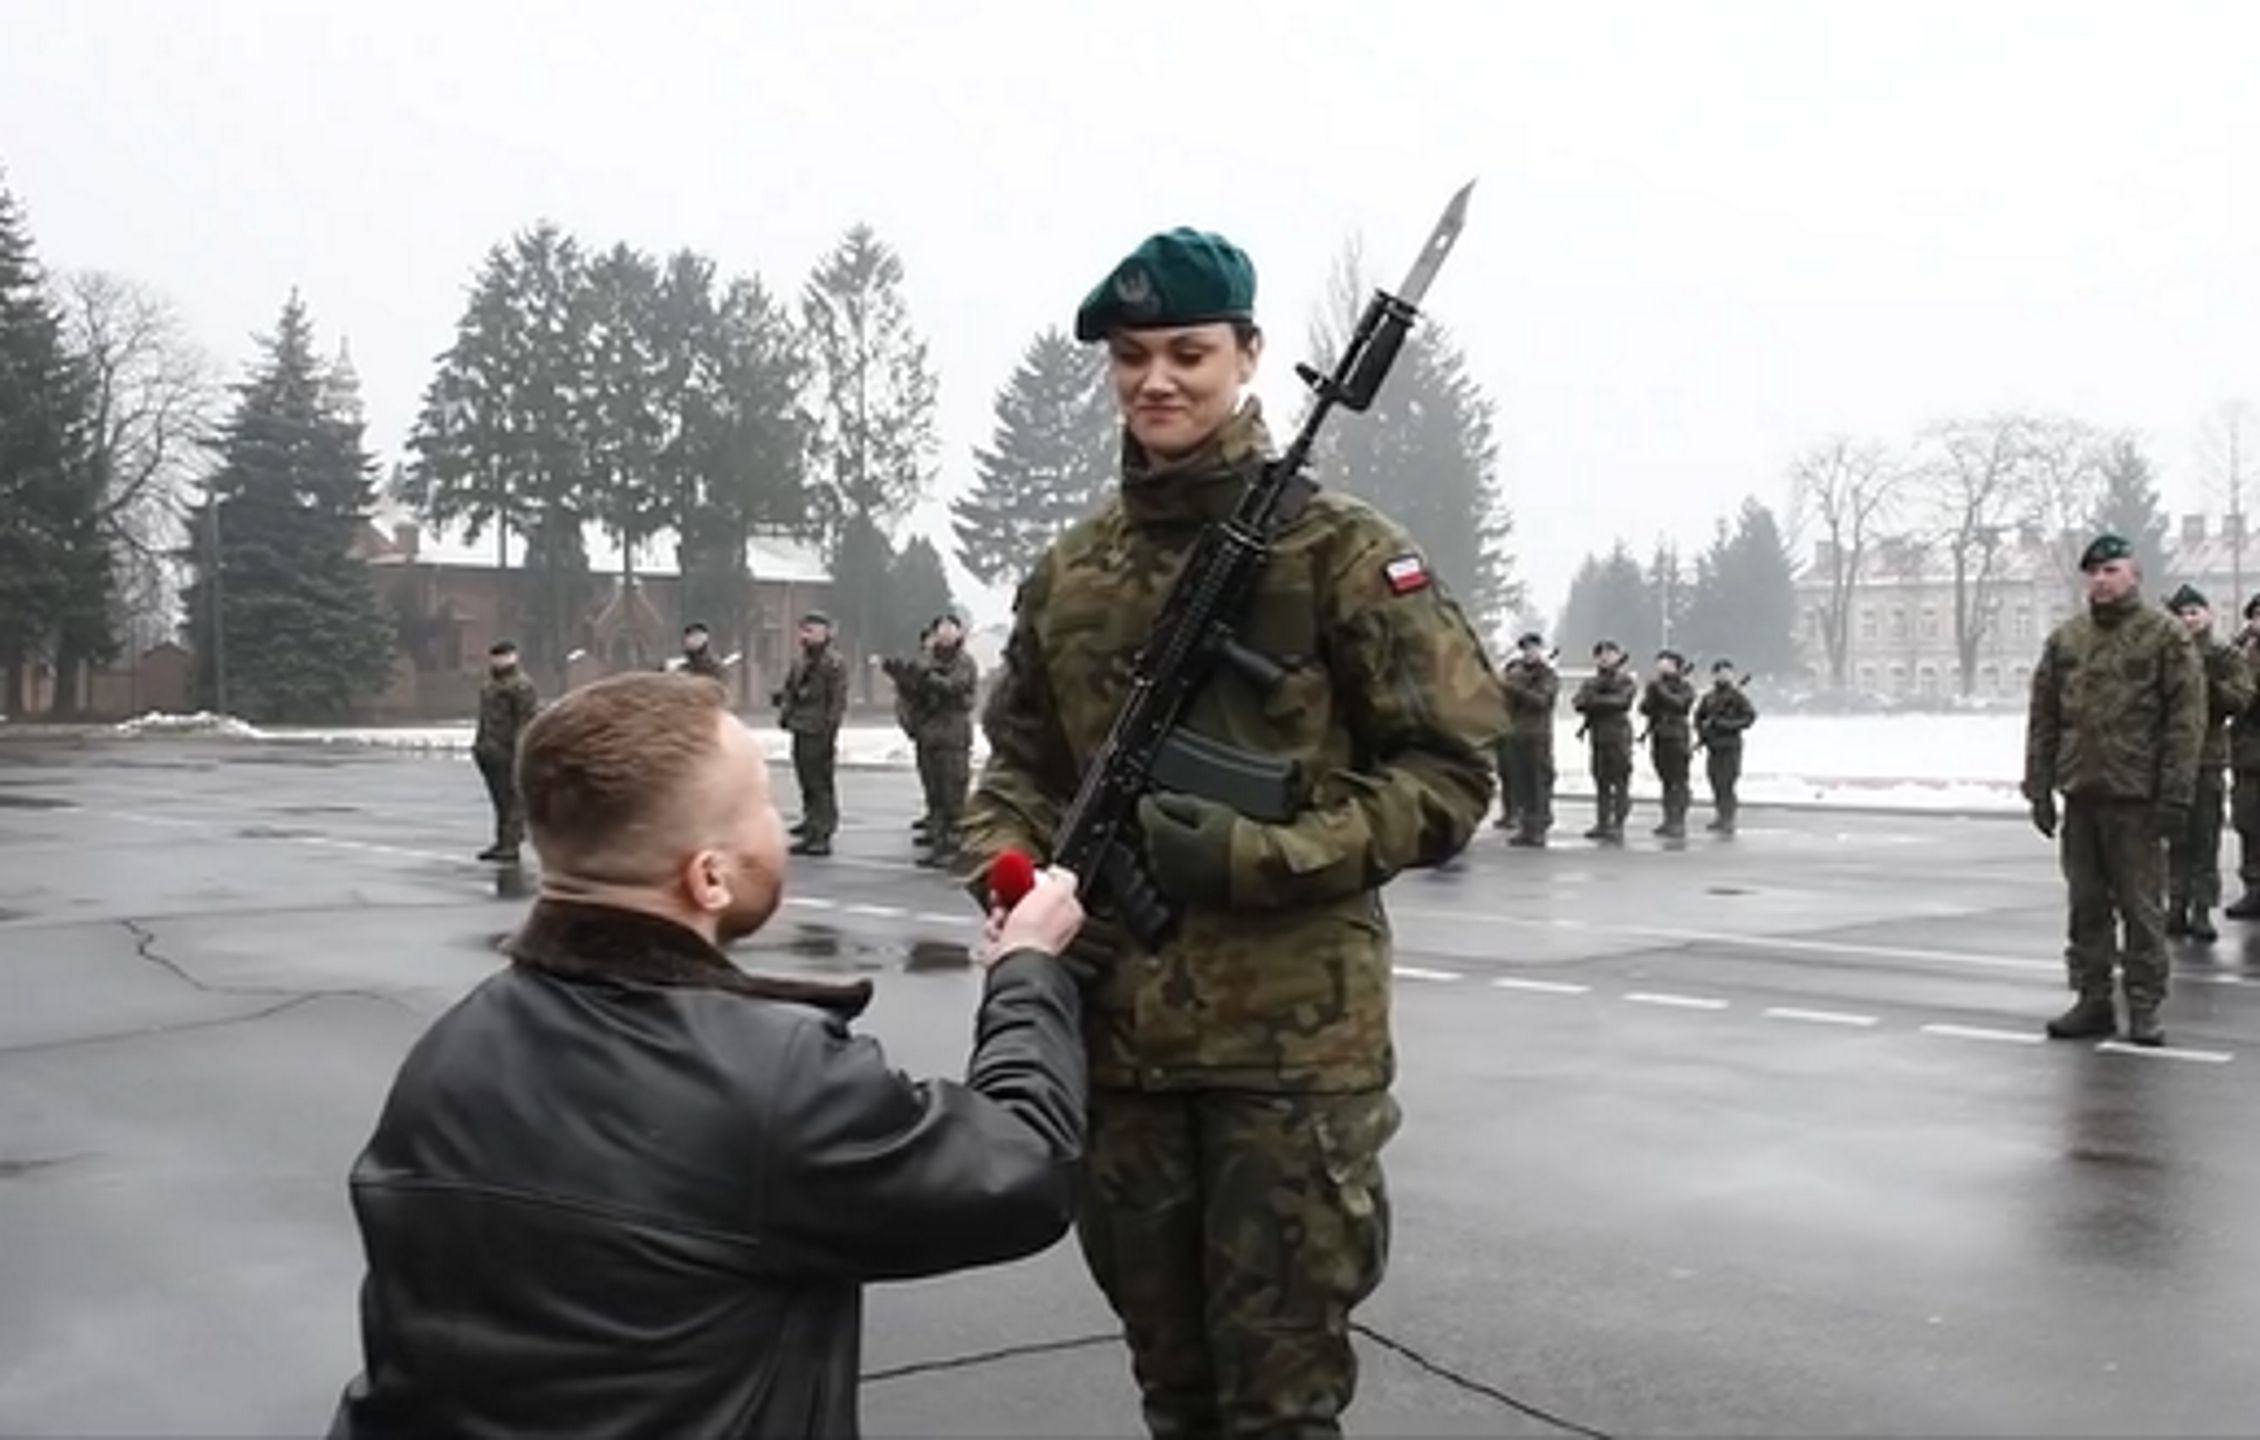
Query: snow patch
(203, 722)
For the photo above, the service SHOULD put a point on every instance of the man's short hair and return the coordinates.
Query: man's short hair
(607, 765)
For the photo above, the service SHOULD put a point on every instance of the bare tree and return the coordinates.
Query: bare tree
(154, 396)
(2064, 471)
(1842, 492)
(2224, 457)
(1974, 477)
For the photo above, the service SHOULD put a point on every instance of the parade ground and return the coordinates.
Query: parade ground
(1749, 1136)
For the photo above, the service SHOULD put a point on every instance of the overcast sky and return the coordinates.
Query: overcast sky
(1704, 234)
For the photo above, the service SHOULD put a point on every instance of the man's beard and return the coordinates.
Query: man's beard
(753, 900)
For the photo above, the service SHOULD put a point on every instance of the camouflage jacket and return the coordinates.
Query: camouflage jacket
(702, 662)
(2244, 731)
(2228, 694)
(814, 700)
(2117, 709)
(1722, 715)
(1665, 704)
(944, 685)
(1389, 705)
(1605, 700)
(1532, 689)
(506, 707)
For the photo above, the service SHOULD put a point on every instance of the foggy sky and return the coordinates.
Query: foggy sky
(1704, 234)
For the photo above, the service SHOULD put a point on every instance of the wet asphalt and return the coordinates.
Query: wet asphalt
(1749, 1136)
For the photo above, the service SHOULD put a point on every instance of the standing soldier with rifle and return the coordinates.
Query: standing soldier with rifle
(1605, 700)
(507, 703)
(812, 703)
(946, 680)
(902, 672)
(1671, 746)
(1720, 718)
(1235, 706)
(2244, 759)
(2194, 856)
(1532, 688)
(698, 652)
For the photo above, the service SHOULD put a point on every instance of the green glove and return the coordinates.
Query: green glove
(1189, 848)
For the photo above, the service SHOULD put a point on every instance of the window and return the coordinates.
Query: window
(1989, 680)
(1898, 679)
(1930, 622)
(1867, 623)
(1898, 622)
(2022, 628)
(1867, 679)
(1929, 681)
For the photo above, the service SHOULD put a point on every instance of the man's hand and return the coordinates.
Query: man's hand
(2173, 821)
(2044, 815)
(1189, 847)
(1047, 918)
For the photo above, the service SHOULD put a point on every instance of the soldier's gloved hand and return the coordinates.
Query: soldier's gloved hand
(1188, 844)
(2044, 816)
(2173, 821)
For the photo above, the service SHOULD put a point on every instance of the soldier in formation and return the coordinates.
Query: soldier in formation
(507, 703)
(2194, 856)
(900, 672)
(1532, 688)
(1720, 718)
(1606, 699)
(1234, 1208)
(2117, 726)
(943, 683)
(2244, 760)
(698, 652)
(812, 705)
(1665, 705)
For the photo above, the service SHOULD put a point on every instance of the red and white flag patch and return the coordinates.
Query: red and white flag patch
(1406, 574)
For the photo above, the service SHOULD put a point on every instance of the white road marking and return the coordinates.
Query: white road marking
(935, 917)
(877, 912)
(2167, 1052)
(1541, 987)
(812, 902)
(1980, 1032)
(1415, 972)
(1820, 1017)
(1675, 1002)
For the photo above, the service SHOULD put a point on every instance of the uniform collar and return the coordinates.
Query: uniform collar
(575, 940)
(1203, 486)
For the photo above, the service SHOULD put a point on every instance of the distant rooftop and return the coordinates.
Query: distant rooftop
(769, 556)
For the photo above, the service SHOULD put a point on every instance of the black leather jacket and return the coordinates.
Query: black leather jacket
(624, 1188)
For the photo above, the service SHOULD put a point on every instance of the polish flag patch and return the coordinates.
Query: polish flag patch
(1405, 574)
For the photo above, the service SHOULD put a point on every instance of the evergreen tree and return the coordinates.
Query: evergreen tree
(1668, 597)
(1744, 603)
(622, 427)
(1052, 461)
(877, 415)
(2129, 507)
(54, 571)
(467, 463)
(305, 635)
(862, 597)
(1609, 599)
(919, 591)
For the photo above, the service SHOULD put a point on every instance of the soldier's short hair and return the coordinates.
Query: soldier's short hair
(612, 757)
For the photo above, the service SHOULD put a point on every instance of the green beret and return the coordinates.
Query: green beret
(817, 617)
(2103, 549)
(1179, 277)
(2189, 597)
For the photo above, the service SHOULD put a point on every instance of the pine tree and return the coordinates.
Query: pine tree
(1610, 599)
(305, 635)
(2129, 506)
(1051, 462)
(1666, 597)
(621, 425)
(468, 464)
(1744, 604)
(54, 571)
(919, 591)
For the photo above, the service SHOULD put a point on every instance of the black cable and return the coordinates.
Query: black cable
(1478, 1387)
(988, 1357)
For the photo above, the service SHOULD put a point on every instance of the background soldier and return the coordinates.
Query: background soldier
(947, 680)
(1720, 718)
(507, 703)
(1234, 1205)
(698, 652)
(1532, 688)
(902, 672)
(2244, 758)
(1665, 704)
(2117, 724)
(2195, 853)
(1605, 700)
(813, 703)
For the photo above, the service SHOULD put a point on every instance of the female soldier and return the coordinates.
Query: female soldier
(1234, 1208)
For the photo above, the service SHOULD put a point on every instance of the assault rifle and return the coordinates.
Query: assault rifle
(1198, 632)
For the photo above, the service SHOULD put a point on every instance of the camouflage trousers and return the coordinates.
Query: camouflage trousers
(2244, 814)
(946, 774)
(1724, 765)
(815, 759)
(502, 794)
(1673, 759)
(2195, 856)
(1233, 1232)
(2115, 866)
(1528, 795)
(1503, 754)
(1612, 782)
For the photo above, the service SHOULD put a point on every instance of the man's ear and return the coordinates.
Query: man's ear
(706, 881)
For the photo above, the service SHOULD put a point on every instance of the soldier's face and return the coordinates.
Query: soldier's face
(947, 634)
(2197, 618)
(2112, 581)
(812, 636)
(1178, 387)
(694, 641)
(501, 664)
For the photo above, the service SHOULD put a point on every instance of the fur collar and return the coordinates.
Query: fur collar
(574, 940)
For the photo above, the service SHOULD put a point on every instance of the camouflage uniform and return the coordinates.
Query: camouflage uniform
(946, 682)
(2194, 855)
(702, 662)
(1235, 1209)
(2244, 796)
(813, 703)
(507, 703)
(2117, 723)
(1532, 689)
(1665, 704)
(1720, 718)
(1605, 700)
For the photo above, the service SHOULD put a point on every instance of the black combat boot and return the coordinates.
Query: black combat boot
(810, 845)
(2143, 1027)
(1528, 838)
(2090, 1018)
(2177, 919)
(2247, 906)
